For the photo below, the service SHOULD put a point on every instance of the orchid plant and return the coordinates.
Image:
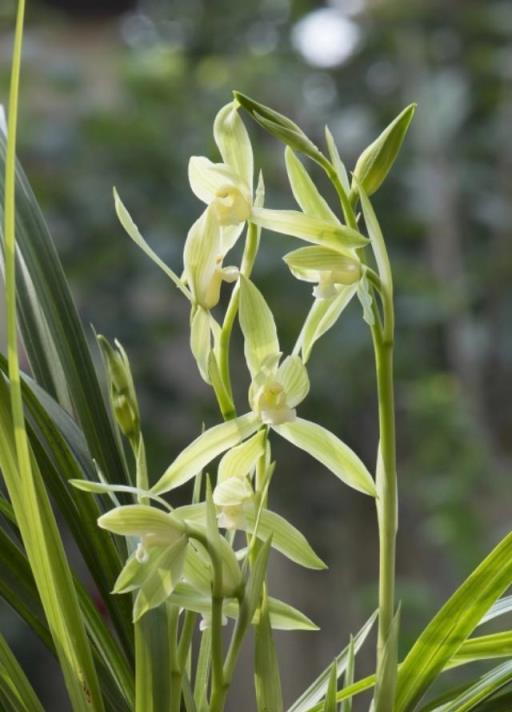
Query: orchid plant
(184, 585)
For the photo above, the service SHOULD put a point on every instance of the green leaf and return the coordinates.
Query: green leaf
(305, 191)
(318, 688)
(266, 666)
(61, 452)
(483, 647)
(204, 449)
(386, 675)
(18, 589)
(348, 680)
(322, 316)
(502, 606)
(330, 704)
(133, 232)
(490, 683)
(279, 126)
(258, 326)
(14, 683)
(309, 228)
(22, 478)
(52, 333)
(376, 160)
(453, 624)
(330, 451)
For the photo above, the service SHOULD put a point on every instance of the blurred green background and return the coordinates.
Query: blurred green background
(122, 93)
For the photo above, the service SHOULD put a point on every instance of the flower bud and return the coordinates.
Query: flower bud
(279, 126)
(122, 389)
(376, 160)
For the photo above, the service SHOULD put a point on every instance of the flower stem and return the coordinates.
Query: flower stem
(387, 513)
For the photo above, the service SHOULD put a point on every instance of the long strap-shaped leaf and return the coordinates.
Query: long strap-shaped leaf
(28, 496)
(53, 335)
(18, 589)
(486, 686)
(14, 682)
(318, 688)
(453, 624)
(60, 464)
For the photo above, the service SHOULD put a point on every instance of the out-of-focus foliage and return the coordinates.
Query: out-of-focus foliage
(125, 102)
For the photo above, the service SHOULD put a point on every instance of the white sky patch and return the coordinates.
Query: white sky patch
(325, 38)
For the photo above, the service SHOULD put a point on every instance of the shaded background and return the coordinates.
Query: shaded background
(118, 92)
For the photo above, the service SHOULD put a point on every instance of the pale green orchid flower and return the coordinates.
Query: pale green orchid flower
(226, 187)
(156, 566)
(203, 257)
(326, 268)
(275, 392)
(276, 389)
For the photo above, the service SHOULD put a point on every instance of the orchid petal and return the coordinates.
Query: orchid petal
(201, 257)
(204, 449)
(306, 227)
(234, 144)
(305, 191)
(292, 375)
(200, 341)
(207, 178)
(240, 460)
(258, 326)
(330, 451)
